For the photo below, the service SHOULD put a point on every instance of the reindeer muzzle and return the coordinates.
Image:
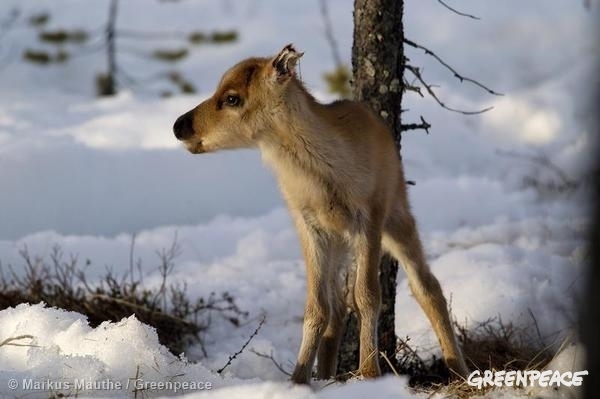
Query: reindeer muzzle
(184, 126)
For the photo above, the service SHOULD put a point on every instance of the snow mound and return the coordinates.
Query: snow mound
(59, 350)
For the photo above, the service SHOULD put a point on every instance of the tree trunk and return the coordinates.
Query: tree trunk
(107, 84)
(377, 68)
(590, 311)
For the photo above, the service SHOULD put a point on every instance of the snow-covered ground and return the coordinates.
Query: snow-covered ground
(88, 173)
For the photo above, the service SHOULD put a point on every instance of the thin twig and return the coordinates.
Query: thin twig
(131, 254)
(142, 308)
(165, 268)
(424, 125)
(537, 328)
(9, 341)
(456, 74)
(462, 14)
(236, 354)
(137, 376)
(417, 73)
(279, 366)
(329, 34)
(382, 354)
(410, 87)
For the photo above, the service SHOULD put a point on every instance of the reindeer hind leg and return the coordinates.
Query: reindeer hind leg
(401, 239)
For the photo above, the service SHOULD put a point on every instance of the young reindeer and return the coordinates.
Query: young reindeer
(341, 177)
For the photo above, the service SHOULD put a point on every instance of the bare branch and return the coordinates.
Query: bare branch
(411, 87)
(462, 14)
(131, 262)
(456, 74)
(279, 366)
(417, 73)
(329, 34)
(165, 268)
(424, 125)
(537, 327)
(236, 354)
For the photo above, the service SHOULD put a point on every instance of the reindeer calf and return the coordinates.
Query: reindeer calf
(341, 177)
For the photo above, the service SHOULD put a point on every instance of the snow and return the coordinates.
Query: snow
(65, 348)
(62, 348)
(570, 357)
(88, 174)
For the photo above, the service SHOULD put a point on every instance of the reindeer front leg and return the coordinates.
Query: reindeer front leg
(317, 311)
(332, 337)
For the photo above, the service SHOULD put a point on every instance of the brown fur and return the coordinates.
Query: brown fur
(342, 179)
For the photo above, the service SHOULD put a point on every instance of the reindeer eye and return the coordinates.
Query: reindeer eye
(232, 100)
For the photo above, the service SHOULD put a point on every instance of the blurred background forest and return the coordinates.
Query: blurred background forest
(57, 40)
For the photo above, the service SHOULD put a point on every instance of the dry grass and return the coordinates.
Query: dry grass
(497, 345)
(61, 282)
(490, 345)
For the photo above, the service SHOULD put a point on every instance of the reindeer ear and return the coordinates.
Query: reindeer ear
(284, 63)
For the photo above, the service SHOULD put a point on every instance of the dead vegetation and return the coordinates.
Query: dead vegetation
(61, 282)
(489, 345)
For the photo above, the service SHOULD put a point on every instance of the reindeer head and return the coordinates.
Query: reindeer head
(242, 108)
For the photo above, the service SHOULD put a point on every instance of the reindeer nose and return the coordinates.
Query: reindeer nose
(183, 127)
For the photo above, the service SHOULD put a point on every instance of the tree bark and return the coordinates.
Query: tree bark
(590, 311)
(377, 66)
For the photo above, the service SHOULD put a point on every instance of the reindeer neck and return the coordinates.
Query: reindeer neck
(301, 137)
